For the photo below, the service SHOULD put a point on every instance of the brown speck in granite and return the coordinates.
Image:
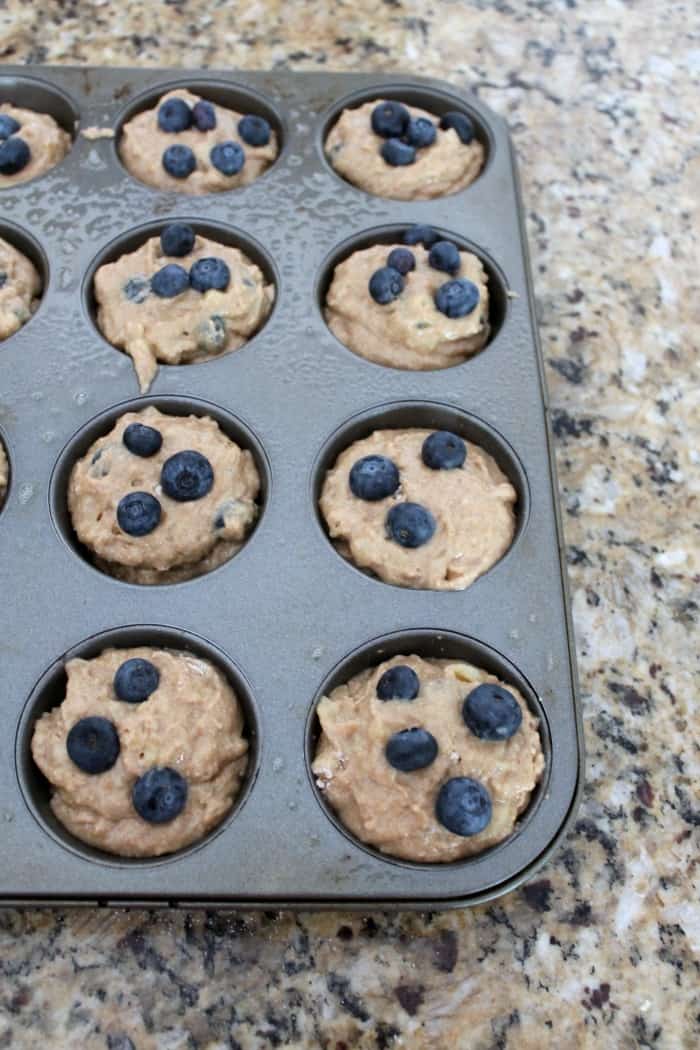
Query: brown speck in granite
(601, 100)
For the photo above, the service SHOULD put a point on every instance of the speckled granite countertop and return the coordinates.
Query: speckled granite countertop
(602, 949)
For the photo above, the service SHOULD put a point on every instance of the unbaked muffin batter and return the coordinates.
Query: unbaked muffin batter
(439, 526)
(162, 498)
(194, 164)
(178, 323)
(400, 170)
(145, 755)
(30, 144)
(20, 289)
(419, 764)
(409, 330)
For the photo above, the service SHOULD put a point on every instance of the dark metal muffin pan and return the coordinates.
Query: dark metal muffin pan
(287, 618)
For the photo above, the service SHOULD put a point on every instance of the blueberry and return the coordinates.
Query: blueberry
(410, 525)
(401, 259)
(159, 795)
(411, 749)
(3, 278)
(443, 450)
(138, 513)
(254, 130)
(179, 161)
(398, 153)
(93, 744)
(212, 334)
(187, 476)
(390, 119)
(385, 285)
(419, 234)
(169, 281)
(373, 478)
(177, 239)
(210, 273)
(227, 157)
(463, 806)
(174, 115)
(8, 126)
(398, 683)
(420, 132)
(457, 298)
(444, 255)
(137, 289)
(135, 680)
(492, 712)
(461, 124)
(203, 115)
(14, 155)
(142, 440)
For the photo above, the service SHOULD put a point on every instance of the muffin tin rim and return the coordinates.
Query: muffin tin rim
(182, 640)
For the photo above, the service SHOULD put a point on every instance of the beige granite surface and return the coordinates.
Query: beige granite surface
(602, 950)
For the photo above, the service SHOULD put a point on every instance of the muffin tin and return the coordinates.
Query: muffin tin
(287, 618)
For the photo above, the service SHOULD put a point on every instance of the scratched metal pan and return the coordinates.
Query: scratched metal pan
(286, 619)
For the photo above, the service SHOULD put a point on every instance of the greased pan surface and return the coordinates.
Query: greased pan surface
(287, 618)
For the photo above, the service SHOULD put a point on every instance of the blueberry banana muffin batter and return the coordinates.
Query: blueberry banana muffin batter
(30, 144)
(405, 153)
(145, 754)
(20, 289)
(180, 298)
(188, 144)
(419, 508)
(161, 498)
(427, 760)
(419, 305)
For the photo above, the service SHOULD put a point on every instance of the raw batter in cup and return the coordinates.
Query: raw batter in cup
(30, 144)
(405, 153)
(427, 760)
(20, 289)
(145, 754)
(180, 298)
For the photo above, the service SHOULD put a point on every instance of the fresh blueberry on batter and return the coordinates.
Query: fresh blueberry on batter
(3, 278)
(463, 806)
(212, 334)
(398, 153)
(159, 795)
(137, 289)
(142, 440)
(419, 234)
(138, 513)
(411, 749)
(170, 281)
(385, 285)
(420, 132)
(14, 156)
(457, 298)
(444, 255)
(373, 478)
(8, 126)
(410, 525)
(461, 124)
(179, 161)
(398, 683)
(187, 476)
(227, 157)
(174, 115)
(390, 119)
(93, 744)
(443, 450)
(401, 259)
(254, 130)
(135, 680)
(203, 115)
(492, 712)
(177, 239)
(209, 273)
